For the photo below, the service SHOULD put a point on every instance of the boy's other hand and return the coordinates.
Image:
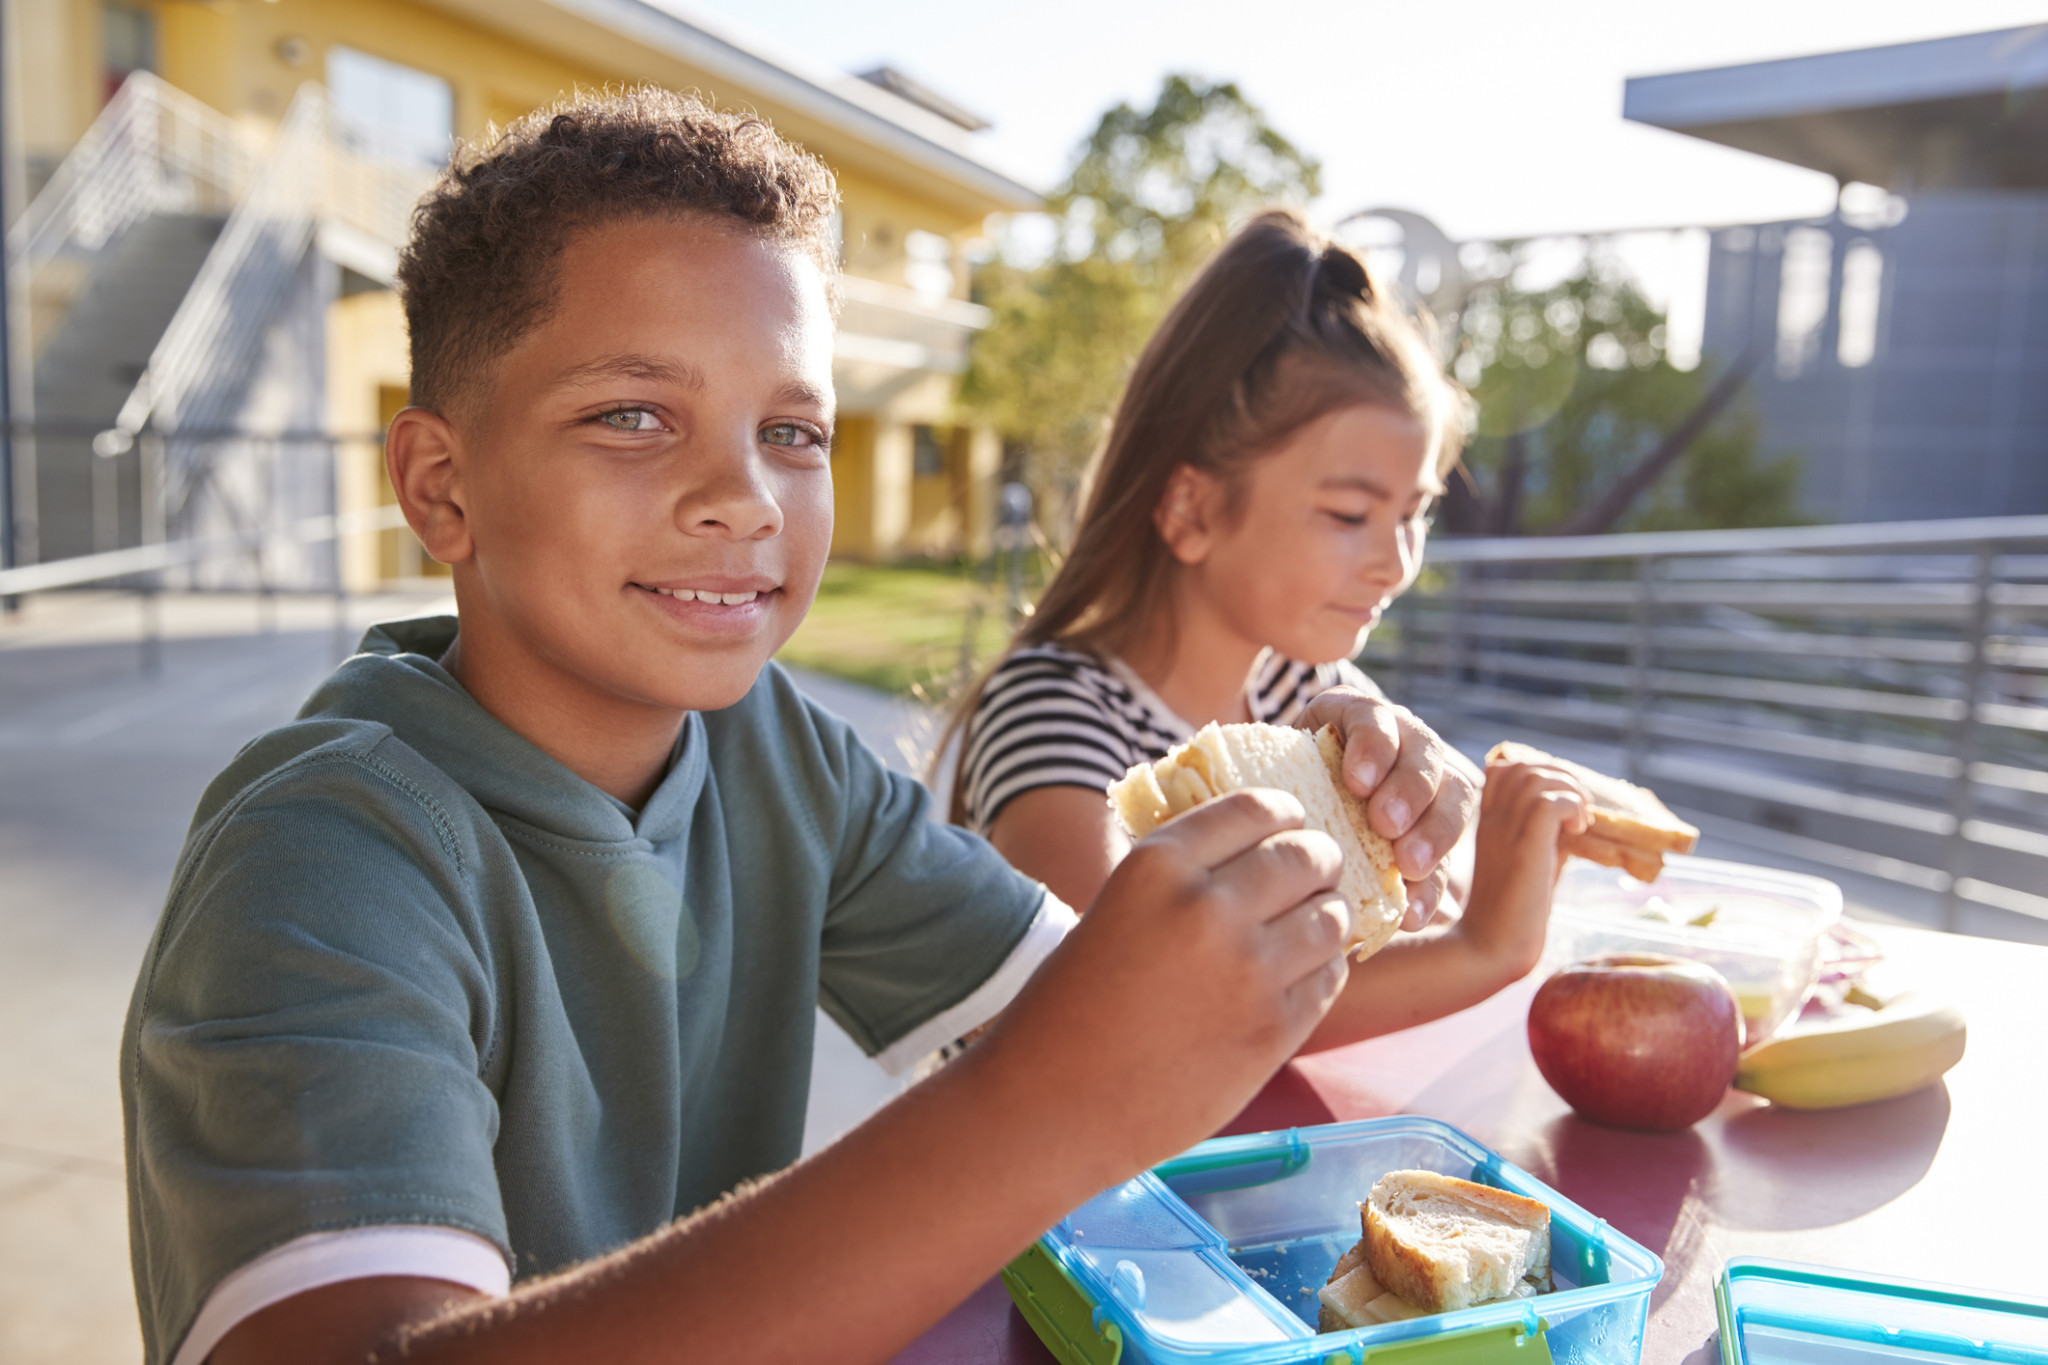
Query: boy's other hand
(1214, 949)
(1420, 793)
(1526, 808)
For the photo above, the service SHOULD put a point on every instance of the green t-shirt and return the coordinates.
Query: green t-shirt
(412, 970)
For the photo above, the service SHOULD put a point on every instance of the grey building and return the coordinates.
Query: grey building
(1902, 342)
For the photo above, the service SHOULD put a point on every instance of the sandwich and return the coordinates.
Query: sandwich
(1434, 1243)
(1631, 828)
(1225, 758)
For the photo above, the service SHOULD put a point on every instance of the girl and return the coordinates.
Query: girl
(1262, 496)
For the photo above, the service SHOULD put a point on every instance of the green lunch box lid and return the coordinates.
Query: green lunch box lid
(1215, 1258)
(1783, 1313)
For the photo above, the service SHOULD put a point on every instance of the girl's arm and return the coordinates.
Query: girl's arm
(1498, 940)
(1063, 836)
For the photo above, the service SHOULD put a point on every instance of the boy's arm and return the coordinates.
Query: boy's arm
(1498, 940)
(1207, 960)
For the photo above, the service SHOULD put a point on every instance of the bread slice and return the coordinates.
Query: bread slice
(1442, 1243)
(1631, 828)
(1227, 758)
(1346, 1300)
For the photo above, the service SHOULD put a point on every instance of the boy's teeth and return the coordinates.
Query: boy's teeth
(730, 599)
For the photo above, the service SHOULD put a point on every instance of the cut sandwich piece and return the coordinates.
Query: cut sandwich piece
(1631, 828)
(1346, 1301)
(1442, 1243)
(1227, 758)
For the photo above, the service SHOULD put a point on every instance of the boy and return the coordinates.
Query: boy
(502, 959)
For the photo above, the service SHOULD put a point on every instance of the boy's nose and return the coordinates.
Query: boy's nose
(732, 500)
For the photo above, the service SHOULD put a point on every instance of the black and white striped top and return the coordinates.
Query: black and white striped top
(1057, 717)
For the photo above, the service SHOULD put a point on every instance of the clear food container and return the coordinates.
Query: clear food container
(1783, 1313)
(1214, 1258)
(1761, 928)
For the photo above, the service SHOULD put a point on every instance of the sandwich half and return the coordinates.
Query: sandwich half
(1226, 758)
(1442, 1243)
(1631, 828)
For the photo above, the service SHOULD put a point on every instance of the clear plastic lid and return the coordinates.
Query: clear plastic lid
(1781, 1313)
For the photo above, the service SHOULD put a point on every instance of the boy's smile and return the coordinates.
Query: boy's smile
(637, 499)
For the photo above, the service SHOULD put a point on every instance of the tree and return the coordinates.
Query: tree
(1574, 392)
(1151, 194)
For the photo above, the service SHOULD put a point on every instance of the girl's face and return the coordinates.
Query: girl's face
(1316, 539)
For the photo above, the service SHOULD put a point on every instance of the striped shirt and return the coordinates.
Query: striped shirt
(1057, 717)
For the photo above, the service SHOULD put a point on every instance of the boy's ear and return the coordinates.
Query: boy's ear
(420, 455)
(1187, 512)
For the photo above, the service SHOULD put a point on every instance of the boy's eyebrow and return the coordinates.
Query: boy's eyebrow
(651, 368)
(796, 391)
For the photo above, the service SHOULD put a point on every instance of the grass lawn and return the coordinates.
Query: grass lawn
(898, 627)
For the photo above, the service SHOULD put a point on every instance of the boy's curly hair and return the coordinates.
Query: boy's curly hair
(480, 270)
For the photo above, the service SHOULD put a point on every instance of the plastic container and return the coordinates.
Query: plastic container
(1215, 1257)
(1779, 1313)
(1763, 928)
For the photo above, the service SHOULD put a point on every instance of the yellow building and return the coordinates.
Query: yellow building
(204, 270)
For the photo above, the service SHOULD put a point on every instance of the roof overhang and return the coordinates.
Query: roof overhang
(1968, 112)
(854, 125)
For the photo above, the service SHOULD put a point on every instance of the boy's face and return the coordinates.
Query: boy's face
(646, 481)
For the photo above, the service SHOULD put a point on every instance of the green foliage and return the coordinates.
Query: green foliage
(1152, 193)
(1573, 388)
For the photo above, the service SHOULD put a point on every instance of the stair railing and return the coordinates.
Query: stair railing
(321, 166)
(153, 149)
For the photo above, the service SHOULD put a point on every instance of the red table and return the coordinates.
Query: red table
(1942, 1185)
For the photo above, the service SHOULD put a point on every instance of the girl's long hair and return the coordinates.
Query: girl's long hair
(1281, 327)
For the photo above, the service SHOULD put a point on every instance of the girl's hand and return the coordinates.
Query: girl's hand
(1525, 809)
(1419, 792)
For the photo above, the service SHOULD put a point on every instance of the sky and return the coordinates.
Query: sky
(1492, 117)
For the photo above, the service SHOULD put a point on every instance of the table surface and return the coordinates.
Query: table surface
(1929, 1186)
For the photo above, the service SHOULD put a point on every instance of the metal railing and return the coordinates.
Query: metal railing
(1870, 697)
(152, 149)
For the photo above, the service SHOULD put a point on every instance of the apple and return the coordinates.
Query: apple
(1637, 1040)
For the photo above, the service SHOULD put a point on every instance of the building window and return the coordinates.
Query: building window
(1802, 298)
(405, 114)
(127, 44)
(928, 264)
(1862, 295)
(927, 453)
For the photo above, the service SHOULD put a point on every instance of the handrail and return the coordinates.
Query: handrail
(145, 559)
(251, 263)
(144, 152)
(1901, 668)
(1883, 537)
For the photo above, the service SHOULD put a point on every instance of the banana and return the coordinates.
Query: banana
(1908, 1042)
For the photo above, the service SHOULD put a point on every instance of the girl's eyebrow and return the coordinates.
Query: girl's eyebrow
(1433, 489)
(1358, 481)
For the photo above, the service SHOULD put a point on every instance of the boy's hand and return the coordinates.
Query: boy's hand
(1214, 949)
(1419, 792)
(1524, 810)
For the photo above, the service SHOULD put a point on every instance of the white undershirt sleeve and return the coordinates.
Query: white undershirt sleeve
(1048, 929)
(323, 1258)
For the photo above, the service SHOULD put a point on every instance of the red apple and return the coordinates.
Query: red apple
(1635, 1040)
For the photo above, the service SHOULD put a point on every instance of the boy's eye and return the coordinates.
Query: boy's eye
(791, 434)
(630, 419)
(1347, 518)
